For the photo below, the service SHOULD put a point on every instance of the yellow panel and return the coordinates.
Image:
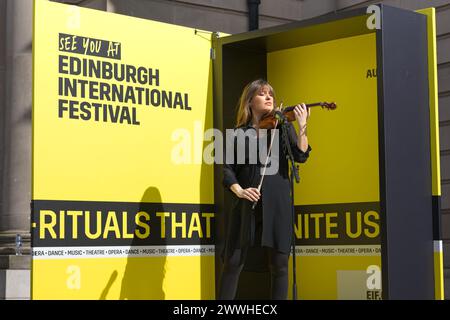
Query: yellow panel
(96, 161)
(433, 95)
(90, 160)
(434, 143)
(125, 278)
(343, 165)
(438, 270)
(318, 277)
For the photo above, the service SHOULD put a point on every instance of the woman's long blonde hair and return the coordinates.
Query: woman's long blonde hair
(244, 113)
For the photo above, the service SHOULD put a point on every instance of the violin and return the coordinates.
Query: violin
(269, 120)
(272, 118)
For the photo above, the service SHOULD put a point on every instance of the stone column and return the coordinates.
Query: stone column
(2, 96)
(16, 129)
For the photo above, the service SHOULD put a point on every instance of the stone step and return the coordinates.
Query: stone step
(15, 284)
(8, 242)
(12, 251)
(15, 277)
(15, 262)
(15, 270)
(10, 236)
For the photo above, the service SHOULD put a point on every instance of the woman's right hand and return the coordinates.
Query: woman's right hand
(251, 194)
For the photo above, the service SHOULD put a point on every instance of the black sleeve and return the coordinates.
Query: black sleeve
(299, 155)
(229, 175)
(229, 169)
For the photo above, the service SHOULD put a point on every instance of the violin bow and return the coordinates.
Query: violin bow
(267, 159)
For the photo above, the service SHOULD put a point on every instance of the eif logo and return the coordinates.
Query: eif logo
(374, 20)
(73, 281)
(373, 282)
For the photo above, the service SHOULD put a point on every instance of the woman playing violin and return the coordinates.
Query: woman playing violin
(269, 225)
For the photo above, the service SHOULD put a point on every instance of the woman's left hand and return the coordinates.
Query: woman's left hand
(302, 114)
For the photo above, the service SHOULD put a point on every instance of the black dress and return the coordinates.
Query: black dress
(273, 214)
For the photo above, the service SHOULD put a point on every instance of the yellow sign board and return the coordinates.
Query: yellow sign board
(119, 209)
(337, 200)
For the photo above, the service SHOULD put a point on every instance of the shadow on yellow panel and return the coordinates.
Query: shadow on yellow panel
(125, 278)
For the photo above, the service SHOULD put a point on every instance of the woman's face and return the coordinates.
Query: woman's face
(262, 102)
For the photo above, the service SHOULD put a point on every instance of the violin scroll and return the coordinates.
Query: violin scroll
(327, 105)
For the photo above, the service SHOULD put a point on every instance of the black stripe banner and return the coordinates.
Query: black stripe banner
(92, 223)
(338, 224)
